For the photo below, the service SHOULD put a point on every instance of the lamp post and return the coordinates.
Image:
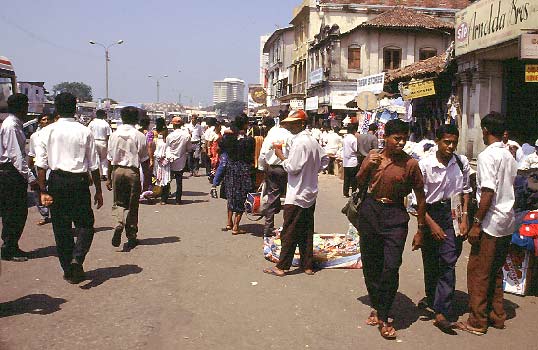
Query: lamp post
(158, 82)
(107, 58)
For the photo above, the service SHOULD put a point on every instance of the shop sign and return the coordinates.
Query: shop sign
(531, 73)
(490, 22)
(315, 76)
(417, 89)
(528, 46)
(373, 83)
(296, 104)
(340, 99)
(323, 110)
(258, 94)
(312, 103)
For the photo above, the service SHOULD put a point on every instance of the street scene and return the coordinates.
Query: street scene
(311, 174)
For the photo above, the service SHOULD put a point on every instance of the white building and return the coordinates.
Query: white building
(35, 90)
(228, 90)
(279, 49)
(264, 59)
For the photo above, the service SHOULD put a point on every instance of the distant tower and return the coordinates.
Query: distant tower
(228, 90)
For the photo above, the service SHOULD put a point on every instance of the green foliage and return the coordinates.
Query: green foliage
(231, 109)
(82, 91)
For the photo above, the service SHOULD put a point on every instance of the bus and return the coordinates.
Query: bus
(8, 84)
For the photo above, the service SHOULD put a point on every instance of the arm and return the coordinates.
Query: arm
(46, 198)
(421, 218)
(98, 197)
(486, 199)
(93, 164)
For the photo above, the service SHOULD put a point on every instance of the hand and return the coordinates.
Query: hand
(418, 240)
(46, 199)
(98, 199)
(374, 160)
(474, 234)
(464, 227)
(108, 185)
(279, 153)
(437, 232)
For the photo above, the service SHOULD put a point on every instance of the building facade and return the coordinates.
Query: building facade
(35, 90)
(264, 59)
(279, 50)
(228, 90)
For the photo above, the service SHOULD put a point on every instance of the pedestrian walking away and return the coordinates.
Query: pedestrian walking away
(350, 160)
(366, 143)
(178, 146)
(446, 181)
(306, 159)
(15, 175)
(127, 152)
(383, 220)
(67, 148)
(196, 131)
(493, 225)
(101, 132)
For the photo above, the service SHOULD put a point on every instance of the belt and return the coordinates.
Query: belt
(126, 167)
(439, 204)
(276, 166)
(69, 174)
(100, 139)
(384, 200)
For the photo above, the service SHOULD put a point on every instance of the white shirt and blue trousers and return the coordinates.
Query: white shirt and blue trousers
(439, 257)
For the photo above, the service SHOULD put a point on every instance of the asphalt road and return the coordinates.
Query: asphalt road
(191, 286)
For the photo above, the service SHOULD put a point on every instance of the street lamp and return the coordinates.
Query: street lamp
(158, 83)
(107, 58)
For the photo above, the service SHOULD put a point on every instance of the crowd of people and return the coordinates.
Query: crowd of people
(69, 157)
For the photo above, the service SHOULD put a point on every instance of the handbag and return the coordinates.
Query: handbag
(254, 204)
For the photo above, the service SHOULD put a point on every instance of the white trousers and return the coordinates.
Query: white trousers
(101, 147)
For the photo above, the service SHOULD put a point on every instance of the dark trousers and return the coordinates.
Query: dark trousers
(298, 230)
(126, 188)
(71, 205)
(485, 281)
(276, 180)
(13, 207)
(178, 175)
(439, 261)
(383, 231)
(350, 179)
(330, 167)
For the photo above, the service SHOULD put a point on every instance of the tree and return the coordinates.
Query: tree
(82, 91)
(231, 109)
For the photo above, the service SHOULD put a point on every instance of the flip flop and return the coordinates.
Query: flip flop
(464, 326)
(227, 228)
(445, 326)
(239, 232)
(372, 319)
(272, 271)
(387, 331)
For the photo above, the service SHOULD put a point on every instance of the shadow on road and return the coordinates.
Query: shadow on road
(195, 193)
(36, 304)
(100, 276)
(404, 310)
(102, 229)
(43, 252)
(159, 240)
(253, 229)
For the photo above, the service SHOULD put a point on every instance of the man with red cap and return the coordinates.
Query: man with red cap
(178, 146)
(306, 159)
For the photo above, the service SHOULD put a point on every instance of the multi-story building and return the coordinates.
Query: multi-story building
(35, 90)
(279, 49)
(264, 58)
(228, 90)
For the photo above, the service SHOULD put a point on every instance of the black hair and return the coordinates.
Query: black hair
(17, 103)
(144, 122)
(49, 116)
(372, 127)
(240, 121)
(129, 115)
(396, 126)
(352, 128)
(100, 113)
(446, 129)
(268, 122)
(494, 123)
(65, 103)
(160, 124)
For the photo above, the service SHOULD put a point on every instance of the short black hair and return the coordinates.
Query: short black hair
(268, 122)
(100, 113)
(352, 128)
(17, 103)
(240, 121)
(49, 116)
(494, 123)
(144, 122)
(65, 103)
(129, 115)
(160, 124)
(396, 126)
(446, 129)
(373, 127)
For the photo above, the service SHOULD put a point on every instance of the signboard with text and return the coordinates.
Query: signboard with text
(528, 46)
(296, 104)
(373, 83)
(417, 89)
(531, 73)
(312, 103)
(490, 22)
(315, 76)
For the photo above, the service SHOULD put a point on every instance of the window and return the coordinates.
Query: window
(426, 53)
(354, 58)
(392, 58)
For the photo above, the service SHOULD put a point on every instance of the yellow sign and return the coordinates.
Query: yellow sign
(531, 73)
(417, 89)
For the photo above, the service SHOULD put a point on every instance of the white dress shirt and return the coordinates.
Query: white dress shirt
(66, 145)
(497, 170)
(127, 147)
(13, 146)
(306, 160)
(196, 131)
(334, 142)
(267, 153)
(178, 145)
(530, 162)
(442, 182)
(100, 129)
(349, 151)
(33, 142)
(316, 133)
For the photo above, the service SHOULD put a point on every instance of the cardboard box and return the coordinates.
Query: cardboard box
(517, 271)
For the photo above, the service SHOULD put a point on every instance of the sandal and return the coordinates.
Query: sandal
(372, 320)
(386, 330)
(239, 232)
(273, 271)
(464, 326)
(43, 222)
(227, 228)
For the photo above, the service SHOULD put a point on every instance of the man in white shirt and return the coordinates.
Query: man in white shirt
(67, 148)
(15, 176)
(177, 150)
(490, 234)
(127, 152)
(531, 161)
(101, 132)
(306, 159)
(349, 159)
(276, 178)
(196, 131)
(446, 175)
(332, 146)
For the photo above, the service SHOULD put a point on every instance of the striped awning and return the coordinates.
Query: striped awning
(6, 67)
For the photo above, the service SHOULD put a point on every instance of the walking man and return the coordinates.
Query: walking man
(349, 160)
(67, 148)
(178, 146)
(306, 159)
(127, 152)
(101, 132)
(490, 234)
(366, 143)
(15, 176)
(195, 130)
(276, 178)
(446, 175)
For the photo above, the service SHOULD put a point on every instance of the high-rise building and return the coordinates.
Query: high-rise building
(228, 90)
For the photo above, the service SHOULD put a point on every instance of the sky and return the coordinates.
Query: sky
(206, 40)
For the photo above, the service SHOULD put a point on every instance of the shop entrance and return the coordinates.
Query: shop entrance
(520, 103)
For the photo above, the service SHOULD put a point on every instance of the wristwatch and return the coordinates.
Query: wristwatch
(477, 220)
